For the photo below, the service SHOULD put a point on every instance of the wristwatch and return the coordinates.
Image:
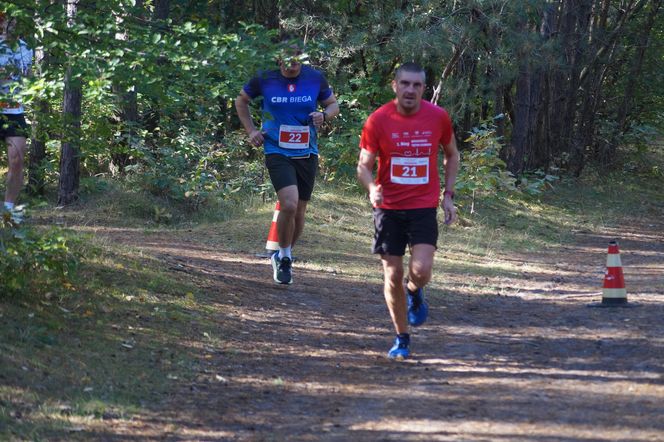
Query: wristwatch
(449, 192)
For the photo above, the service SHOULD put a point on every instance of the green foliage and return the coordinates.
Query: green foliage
(193, 170)
(481, 169)
(535, 183)
(34, 262)
(185, 71)
(340, 145)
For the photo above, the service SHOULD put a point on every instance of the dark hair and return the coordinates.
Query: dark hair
(409, 66)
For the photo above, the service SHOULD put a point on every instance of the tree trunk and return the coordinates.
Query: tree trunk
(635, 71)
(266, 12)
(467, 123)
(38, 150)
(529, 86)
(528, 91)
(70, 148)
(591, 79)
(609, 41)
(126, 98)
(540, 156)
(499, 110)
(561, 96)
(161, 9)
(39, 132)
(449, 67)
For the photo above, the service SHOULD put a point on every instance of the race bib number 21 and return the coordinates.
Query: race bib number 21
(410, 170)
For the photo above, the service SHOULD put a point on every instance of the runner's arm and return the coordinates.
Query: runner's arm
(331, 107)
(330, 110)
(242, 107)
(365, 166)
(451, 160)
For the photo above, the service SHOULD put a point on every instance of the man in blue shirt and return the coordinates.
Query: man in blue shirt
(290, 118)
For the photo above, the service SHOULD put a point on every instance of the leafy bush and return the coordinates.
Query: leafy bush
(481, 169)
(193, 170)
(33, 262)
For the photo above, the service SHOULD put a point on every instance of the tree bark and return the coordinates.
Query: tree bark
(526, 134)
(70, 149)
(635, 71)
(39, 131)
(449, 67)
(610, 40)
(38, 150)
(266, 12)
(127, 102)
(161, 9)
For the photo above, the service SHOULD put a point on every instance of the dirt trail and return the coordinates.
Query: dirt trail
(533, 362)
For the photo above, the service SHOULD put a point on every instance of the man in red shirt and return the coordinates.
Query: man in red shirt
(405, 135)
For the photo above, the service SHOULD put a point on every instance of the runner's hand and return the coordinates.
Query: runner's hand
(318, 118)
(376, 195)
(256, 137)
(447, 204)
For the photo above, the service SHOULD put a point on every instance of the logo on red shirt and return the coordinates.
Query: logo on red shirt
(291, 88)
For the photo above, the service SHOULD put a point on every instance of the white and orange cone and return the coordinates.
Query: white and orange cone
(272, 244)
(614, 291)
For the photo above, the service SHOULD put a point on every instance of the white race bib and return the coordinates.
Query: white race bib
(293, 137)
(409, 170)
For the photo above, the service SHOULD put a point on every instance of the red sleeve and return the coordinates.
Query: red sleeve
(369, 138)
(447, 132)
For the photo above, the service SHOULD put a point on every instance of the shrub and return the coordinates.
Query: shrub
(482, 170)
(32, 261)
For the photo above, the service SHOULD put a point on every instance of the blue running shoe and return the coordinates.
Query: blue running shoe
(282, 269)
(418, 309)
(400, 349)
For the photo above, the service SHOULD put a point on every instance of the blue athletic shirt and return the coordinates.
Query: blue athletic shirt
(287, 103)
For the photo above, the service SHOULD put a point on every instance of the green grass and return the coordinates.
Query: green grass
(97, 350)
(131, 330)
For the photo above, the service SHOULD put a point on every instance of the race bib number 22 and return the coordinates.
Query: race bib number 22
(293, 137)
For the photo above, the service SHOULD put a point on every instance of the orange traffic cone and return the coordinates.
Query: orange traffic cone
(614, 291)
(272, 244)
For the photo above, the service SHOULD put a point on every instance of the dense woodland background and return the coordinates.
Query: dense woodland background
(140, 312)
(143, 90)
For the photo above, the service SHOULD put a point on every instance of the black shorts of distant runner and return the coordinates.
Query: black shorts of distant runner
(285, 171)
(13, 125)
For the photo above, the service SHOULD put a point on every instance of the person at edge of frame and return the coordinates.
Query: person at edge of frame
(15, 61)
(405, 135)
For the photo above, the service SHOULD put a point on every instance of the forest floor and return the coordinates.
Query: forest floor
(537, 360)
(516, 347)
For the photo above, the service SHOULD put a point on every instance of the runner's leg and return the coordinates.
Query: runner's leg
(288, 202)
(15, 154)
(395, 296)
(420, 266)
(299, 220)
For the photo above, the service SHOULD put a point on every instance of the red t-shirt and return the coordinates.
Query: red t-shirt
(407, 149)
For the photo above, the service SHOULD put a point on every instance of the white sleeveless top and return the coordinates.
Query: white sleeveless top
(14, 63)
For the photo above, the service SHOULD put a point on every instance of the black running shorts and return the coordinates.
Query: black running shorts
(13, 125)
(397, 228)
(285, 171)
